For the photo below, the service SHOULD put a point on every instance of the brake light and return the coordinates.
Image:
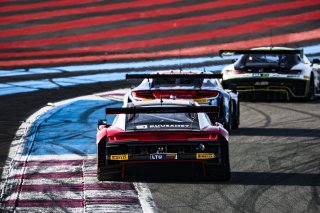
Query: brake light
(121, 138)
(203, 137)
(175, 94)
(207, 94)
(143, 94)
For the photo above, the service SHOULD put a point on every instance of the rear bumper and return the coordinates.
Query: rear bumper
(127, 158)
(296, 88)
(155, 152)
(164, 169)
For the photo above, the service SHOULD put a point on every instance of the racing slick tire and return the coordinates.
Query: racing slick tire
(311, 92)
(220, 172)
(228, 125)
(105, 169)
(236, 121)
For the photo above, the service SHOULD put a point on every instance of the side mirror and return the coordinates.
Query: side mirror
(233, 60)
(103, 123)
(316, 61)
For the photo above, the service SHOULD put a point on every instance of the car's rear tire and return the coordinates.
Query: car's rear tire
(105, 170)
(109, 173)
(228, 125)
(312, 92)
(220, 172)
(236, 119)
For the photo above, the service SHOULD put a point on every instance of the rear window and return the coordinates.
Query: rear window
(286, 60)
(162, 121)
(167, 82)
(162, 117)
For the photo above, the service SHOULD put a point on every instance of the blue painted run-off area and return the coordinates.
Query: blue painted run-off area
(70, 130)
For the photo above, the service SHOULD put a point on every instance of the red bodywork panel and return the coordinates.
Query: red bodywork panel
(115, 134)
(180, 94)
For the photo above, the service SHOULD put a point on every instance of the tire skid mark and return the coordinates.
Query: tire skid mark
(314, 203)
(295, 110)
(267, 118)
(248, 200)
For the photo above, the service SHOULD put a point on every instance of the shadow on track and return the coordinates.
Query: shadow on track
(277, 132)
(245, 178)
(185, 176)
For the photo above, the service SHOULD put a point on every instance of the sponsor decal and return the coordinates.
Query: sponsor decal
(142, 127)
(179, 126)
(255, 74)
(205, 155)
(265, 75)
(163, 156)
(172, 156)
(201, 100)
(157, 156)
(119, 157)
(262, 83)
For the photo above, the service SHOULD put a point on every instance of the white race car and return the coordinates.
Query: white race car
(201, 87)
(266, 73)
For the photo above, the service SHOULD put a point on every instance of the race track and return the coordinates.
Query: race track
(57, 50)
(275, 166)
(274, 157)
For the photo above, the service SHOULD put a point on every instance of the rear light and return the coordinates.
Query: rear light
(175, 94)
(143, 94)
(207, 94)
(121, 138)
(203, 137)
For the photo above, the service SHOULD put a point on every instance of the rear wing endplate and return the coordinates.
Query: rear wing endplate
(270, 51)
(150, 110)
(166, 76)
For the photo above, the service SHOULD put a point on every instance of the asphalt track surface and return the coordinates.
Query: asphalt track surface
(274, 154)
(275, 165)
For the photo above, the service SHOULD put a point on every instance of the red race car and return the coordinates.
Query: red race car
(162, 131)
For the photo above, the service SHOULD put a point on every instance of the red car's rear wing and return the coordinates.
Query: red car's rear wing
(270, 51)
(166, 76)
(150, 110)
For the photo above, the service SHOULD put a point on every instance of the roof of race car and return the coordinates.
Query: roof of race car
(272, 48)
(147, 85)
(261, 50)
